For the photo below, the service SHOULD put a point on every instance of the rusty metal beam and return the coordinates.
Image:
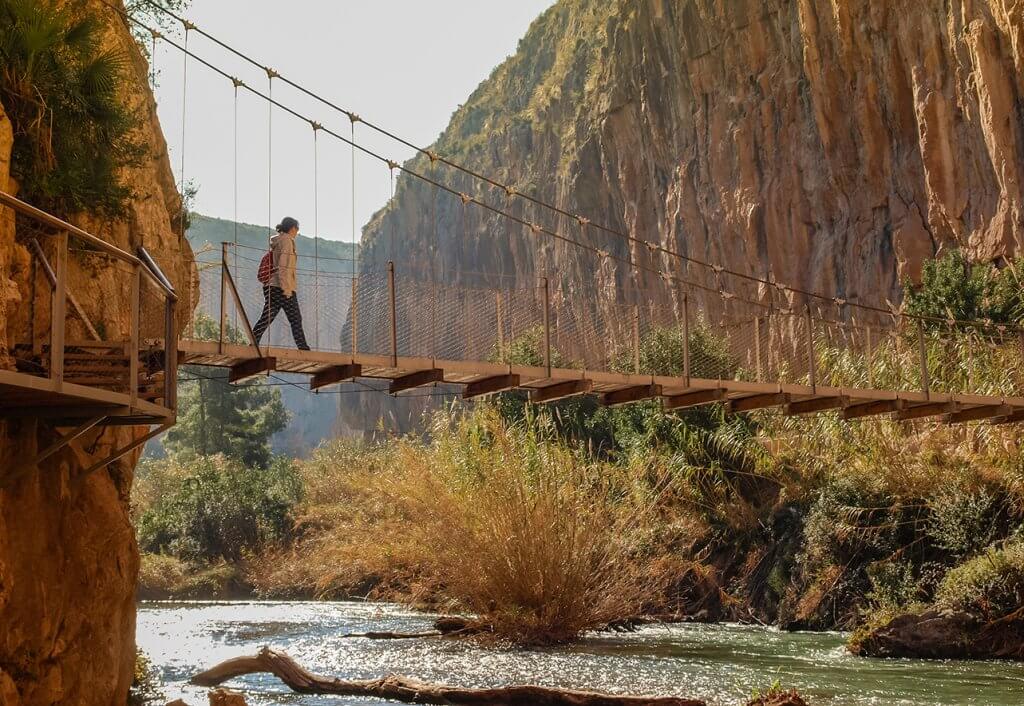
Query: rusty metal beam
(931, 409)
(868, 409)
(417, 379)
(694, 399)
(560, 390)
(1017, 416)
(489, 386)
(630, 394)
(334, 375)
(748, 404)
(987, 411)
(63, 441)
(817, 404)
(251, 368)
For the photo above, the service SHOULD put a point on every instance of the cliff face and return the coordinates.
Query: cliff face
(833, 144)
(68, 558)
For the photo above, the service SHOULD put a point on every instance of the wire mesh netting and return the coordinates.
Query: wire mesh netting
(724, 337)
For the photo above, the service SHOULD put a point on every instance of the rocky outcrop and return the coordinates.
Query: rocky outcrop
(936, 634)
(68, 558)
(834, 145)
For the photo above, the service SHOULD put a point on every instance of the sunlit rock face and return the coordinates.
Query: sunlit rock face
(68, 558)
(833, 144)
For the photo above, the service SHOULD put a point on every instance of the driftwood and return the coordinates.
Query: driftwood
(416, 692)
(445, 626)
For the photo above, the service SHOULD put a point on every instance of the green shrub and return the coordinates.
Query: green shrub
(64, 94)
(216, 508)
(952, 286)
(962, 522)
(990, 585)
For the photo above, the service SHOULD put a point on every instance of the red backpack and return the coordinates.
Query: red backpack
(266, 270)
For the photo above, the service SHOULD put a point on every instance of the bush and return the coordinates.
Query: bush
(952, 286)
(215, 508)
(990, 585)
(506, 521)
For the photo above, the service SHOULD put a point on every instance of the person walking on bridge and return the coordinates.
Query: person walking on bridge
(279, 291)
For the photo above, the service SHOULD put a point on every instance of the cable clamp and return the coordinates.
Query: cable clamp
(602, 253)
(510, 191)
(466, 198)
(354, 118)
(188, 25)
(667, 277)
(271, 74)
(237, 82)
(433, 155)
(156, 34)
(535, 228)
(839, 301)
(653, 247)
(718, 269)
(392, 165)
(583, 221)
(315, 125)
(727, 295)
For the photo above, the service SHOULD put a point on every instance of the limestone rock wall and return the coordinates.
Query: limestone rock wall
(834, 144)
(68, 557)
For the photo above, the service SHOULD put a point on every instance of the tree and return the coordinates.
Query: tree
(216, 417)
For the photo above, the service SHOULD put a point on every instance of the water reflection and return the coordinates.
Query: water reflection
(719, 663)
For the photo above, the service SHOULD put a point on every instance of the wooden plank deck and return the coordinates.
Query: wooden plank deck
(406, 372)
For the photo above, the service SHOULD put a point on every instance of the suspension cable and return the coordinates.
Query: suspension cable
(541, 230)
(316, 236)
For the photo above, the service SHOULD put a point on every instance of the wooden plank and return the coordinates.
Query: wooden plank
(630, 394)
(416, 379)
(748, 404)
(334, 375)
(251, 368)
(868, 409)
(819, 404)
(694, 399)
(560, 390)
(489, 386)
(976, 413)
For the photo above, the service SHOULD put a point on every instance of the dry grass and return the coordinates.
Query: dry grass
(509, 524)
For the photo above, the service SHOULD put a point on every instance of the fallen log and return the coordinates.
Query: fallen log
(412, 691)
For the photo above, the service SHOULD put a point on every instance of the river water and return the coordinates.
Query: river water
(719, 663)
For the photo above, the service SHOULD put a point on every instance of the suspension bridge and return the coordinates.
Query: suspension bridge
(724, 337)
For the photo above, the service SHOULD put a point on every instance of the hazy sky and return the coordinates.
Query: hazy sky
(402, 64)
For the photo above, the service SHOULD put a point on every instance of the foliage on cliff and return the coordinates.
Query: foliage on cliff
(64, 93)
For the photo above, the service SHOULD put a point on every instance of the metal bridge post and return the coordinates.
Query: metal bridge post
(636, 339)
(547, 327)
(170, 355)
(355, 314)
(871, 362)
(133, 346)
(811, 372)
(501, 326)
(686, 337)
(757, 347)
(58, 311)
(923, 355)
(224, 296)
(394, 315)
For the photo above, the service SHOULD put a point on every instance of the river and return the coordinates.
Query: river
(719, 663)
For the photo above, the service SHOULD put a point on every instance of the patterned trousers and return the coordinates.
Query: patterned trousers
(273, 301)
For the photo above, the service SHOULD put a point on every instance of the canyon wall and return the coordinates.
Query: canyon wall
(68, 557)
(832, 144)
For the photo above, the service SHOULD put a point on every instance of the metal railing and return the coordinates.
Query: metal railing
(125, 341)
(690, 335)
